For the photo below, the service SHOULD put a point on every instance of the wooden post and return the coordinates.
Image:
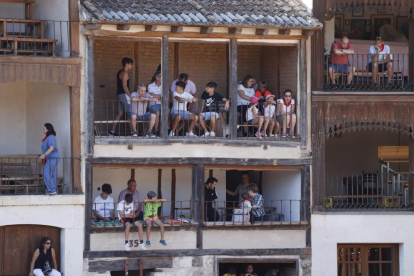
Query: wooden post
(159, 192)
(303, 118)
(411, 168)
(165, 87)
(197, 202)
(411, 49)
(133, 174)
(136, 65)
(176, 60)
(260, 182)
(74, 27)
(90, 95)
(318, 47)
(75, 137)
(173, 188)
(88, 205)
(210, 173)
(233, 87)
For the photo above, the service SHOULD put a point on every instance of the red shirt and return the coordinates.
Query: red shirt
(258, 93)
(339, 59)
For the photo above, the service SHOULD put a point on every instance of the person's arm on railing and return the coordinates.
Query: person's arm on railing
(147, 200)
(194, 100)
(158, 97)
(344, 51)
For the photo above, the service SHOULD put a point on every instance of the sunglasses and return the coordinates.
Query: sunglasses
(48, 243)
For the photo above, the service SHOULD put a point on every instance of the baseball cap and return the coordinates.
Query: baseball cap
(254, 99)
(270, 95)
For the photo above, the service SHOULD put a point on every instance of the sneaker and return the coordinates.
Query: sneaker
(258, 135)
(134, 134)
(272, 135)
(150, 135)
(148, 243)
(191, 134)
(240, 134)
(111, 133)
(172, 134)
(142, 246)
(212, 134)
(349, 87)
(127, 247)
(335, 86)
(163, 242)
(206, 134)
(51, 193)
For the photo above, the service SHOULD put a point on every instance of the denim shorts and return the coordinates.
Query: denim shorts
(339, 68)
(123, 104)
(207, 115)
(146, 116)
(154, 108)
(184, 114)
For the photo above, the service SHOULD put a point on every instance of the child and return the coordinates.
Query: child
(231, 272)
(103, 205)
(257, 204)
(209, 106)
(179, 109)
(252, 118)
(126, 216)
(262, 93)
(139, 104)
(151, 215)
(243, 213)
(269, 114)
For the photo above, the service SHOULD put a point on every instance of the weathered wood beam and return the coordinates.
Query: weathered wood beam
(206, 30)
(176, 29)
(233, 87)
(159, 190)
(318, 48)
(92, 26)
(303, 90)
(284, 31)
(164, 87)
(198, 206)
(150, 28)
(308, 32)
(411, 167)
(74, 27)
(173, 190)
(75, 136)
(235, 31)
(133, 264)
(411, 47)
(132, 173)
(88, 205)
(90, 94)
(262, 32)
(122, 27)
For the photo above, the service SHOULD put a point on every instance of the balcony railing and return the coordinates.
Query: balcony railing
(34, 37)
(376, 191)
(359, 73)
(24, 175)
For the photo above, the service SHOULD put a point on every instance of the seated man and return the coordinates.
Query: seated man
(338, 61)
(379, 59)
(103, 205)
(139, 112)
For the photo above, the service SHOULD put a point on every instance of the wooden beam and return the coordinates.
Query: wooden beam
(210, 173)
(90, 94)
(235, 31)
(88, 205)
(206, 30)
(173, 190)
(165, 87)
(132, 174)
(159, 190)
(75, 136)
(318, 48)
(303, 90)
(233, 87)
(150, 28)
(176, 29)
(411, 167)
(91, 26)
(122, 27)
(262, 32)
(136, 65)
(133, 264)
(308, 32)
(197, 200)
(74, 27)
(260, 182)
(411, 47)
(176, 72)
(284, 31)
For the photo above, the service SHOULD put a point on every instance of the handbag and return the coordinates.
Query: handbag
(44, 161)
(46, 268)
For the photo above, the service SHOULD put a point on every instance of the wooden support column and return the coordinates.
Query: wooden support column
(303, 119)
(305, 204)
(74, 27)
(411, 48)
(318, 158)
(173, 190)
(75, 137)
(233, 87)
(88, 205)
(136, 65)
(176, 60)
(133, 174)
(159, 191)
(90, 94)
(260, 182)
(411, 169)
(318, 47)
(197, 201)
(165, 88)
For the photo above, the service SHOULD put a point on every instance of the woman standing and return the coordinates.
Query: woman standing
(245, 90)
(44, 260)
(50, 159)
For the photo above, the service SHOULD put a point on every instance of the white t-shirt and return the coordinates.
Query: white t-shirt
(181, 105)
(153, 88)
(249, 113)
(269, 111)
(247, 91)
(286, 108)
(381, 55)
(122, 206)
(189, 87)
(103, 206)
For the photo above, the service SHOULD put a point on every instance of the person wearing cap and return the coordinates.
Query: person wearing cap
(338, 61)
(269, 116)
(379, 59)
(252, 117)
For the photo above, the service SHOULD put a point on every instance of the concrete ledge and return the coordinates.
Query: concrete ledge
(41, 200)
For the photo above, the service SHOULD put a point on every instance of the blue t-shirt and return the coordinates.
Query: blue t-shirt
(50, 141)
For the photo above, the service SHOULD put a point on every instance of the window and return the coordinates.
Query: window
(369, 259)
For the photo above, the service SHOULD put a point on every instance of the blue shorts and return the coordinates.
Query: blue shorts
(184, 114)
(339, 68)
(207, 115)
(146, 116)
(154, 108)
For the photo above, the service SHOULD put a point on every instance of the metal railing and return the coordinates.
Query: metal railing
(24, 175)
(282, 211)
(34, 37)
(173, 213)
(357, 72)
(384, 191)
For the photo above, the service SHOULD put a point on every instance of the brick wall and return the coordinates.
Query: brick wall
(248, 61)
(289, 70)
(269, 68)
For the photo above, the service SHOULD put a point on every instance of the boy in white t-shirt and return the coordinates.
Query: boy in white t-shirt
(126, 216)
(270, 116)
(179, 109)
(379, 59)
(103, 205)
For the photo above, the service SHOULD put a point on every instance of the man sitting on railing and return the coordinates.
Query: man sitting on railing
(103, 204)
(338, 61)
(210, 197)
(379, 59)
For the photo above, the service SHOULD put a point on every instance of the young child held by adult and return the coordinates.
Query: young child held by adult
(252, 117)
(257, 204)
(242, 214)
(262, 93)
(209, 105)
(151, 215)
(270, 117)
(139, 103)
(126, 216)
(179, 109)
